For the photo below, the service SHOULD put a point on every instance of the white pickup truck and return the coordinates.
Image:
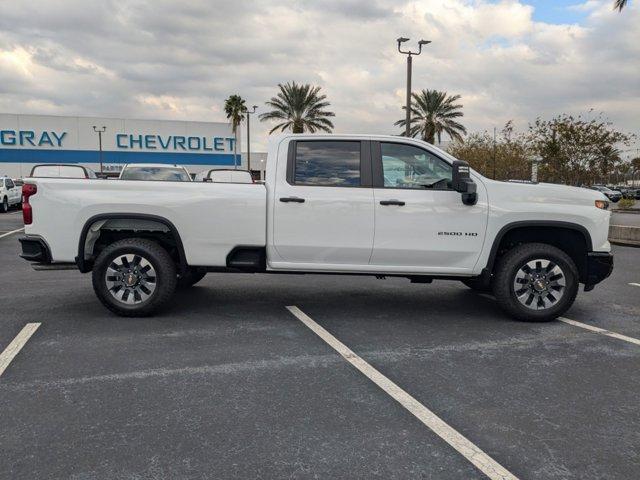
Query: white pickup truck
(339, 204)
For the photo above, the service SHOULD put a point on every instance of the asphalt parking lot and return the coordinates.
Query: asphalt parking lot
(228, 383)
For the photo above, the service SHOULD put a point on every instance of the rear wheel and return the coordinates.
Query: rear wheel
(134, 277)
(5, 205)
(190, 277)
(536, 282)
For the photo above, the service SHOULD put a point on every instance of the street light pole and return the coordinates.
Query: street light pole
(249, 113)
(100, 132)
(409, 55)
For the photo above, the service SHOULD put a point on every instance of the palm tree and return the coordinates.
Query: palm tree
(432, 113)
(300, 108)
(619, 5)
(235, 108)
(608, 160)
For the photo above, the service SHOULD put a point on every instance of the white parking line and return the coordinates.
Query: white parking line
(635, 284)
(16, 345)
(11, 232)
(465, 447)
(602, 331)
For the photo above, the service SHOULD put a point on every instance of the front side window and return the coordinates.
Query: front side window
(331, 164)
(10, 183)
(406, 166)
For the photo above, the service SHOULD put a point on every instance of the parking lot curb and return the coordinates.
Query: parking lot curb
(624, 235)
(633, 211)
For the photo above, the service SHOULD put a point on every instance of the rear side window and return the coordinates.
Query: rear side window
(329, 164)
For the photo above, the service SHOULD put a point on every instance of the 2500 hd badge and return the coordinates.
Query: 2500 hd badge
(458, 234)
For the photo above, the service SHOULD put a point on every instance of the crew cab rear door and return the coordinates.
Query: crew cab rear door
(323, 212)
(421, 224)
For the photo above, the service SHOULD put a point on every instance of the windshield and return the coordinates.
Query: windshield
(55, 171)
(159, 174)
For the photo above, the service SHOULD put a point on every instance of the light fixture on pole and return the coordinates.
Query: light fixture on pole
(409, 55)
(249, 113)
(100, 131)
(536, 160)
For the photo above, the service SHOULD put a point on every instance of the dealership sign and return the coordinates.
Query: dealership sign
(29, 137)
(174, 142)
(26, 138)
(34, 139)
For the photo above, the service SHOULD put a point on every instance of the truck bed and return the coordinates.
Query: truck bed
(212, 218)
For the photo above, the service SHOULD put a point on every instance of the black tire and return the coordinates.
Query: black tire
(476, 285)
(162, 264)
(190, 277)
(512, 266)
(4, 207)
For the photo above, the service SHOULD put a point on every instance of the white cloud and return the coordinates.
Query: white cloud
(180, 60)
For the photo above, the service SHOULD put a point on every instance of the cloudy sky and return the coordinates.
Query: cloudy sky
(173, 59)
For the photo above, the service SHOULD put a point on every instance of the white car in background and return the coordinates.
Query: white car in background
(10, 194)
(225, 176)
(158, 172)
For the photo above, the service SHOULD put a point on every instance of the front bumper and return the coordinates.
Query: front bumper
(599, 267)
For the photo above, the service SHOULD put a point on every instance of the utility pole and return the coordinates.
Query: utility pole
(409, 55)
(494, 153)
(249, 113)
(100, 132)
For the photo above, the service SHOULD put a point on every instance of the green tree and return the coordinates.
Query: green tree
(509, 157)
(575, 150)
(619, 5)
(299, 108)
(607, 162)
(235, 108)
(432, 114)
(635, 169)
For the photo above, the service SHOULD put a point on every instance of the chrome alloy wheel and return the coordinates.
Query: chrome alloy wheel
(131, 279)
(539, 284)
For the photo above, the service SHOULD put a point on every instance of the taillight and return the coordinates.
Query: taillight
(28, 190)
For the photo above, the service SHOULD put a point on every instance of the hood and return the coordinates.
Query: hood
(545, 193)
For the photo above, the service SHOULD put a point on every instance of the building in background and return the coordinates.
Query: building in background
(258, 164)
(27, 140)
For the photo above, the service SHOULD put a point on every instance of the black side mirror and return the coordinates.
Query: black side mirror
(461, 182)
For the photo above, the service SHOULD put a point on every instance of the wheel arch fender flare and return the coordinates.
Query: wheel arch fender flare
(84, 266)
(534, 223)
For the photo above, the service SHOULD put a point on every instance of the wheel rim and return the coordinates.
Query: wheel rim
(130, 279)
(539, 284)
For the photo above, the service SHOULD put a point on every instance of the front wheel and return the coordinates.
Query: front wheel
(536, 282)
(134, 277)
(4, 207)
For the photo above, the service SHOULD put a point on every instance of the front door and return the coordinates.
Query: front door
(421, 224)
(323, 211)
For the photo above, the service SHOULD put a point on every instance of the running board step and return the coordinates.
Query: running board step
(54, 266)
